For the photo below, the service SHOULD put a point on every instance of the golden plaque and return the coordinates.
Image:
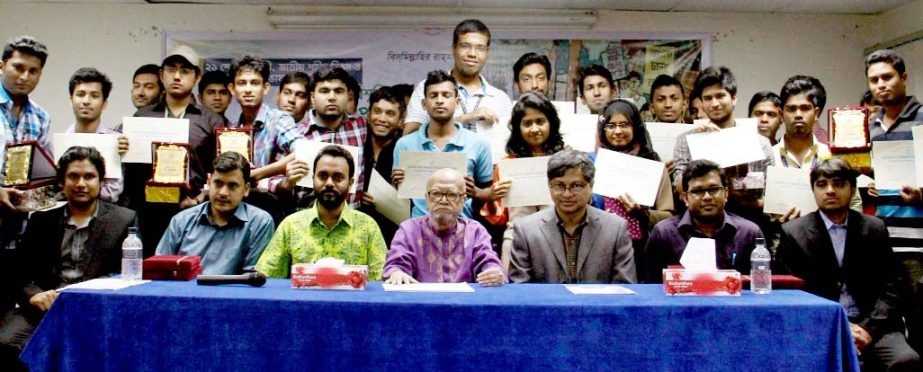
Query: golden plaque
(171, 173)
(28, 166)
(238, 140)
(849, 129)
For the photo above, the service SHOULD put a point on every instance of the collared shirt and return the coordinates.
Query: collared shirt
(838, 238)
(111, 187)
(682, 157)
(476, 149)
(734, 241)
(225, 250)
(351, 132)
(489, 97)
(453, 256)
(33, 123)
(303, 238)
(784, 158)
(274, 132)
(571, 245)
(73, 247)
(904, 221)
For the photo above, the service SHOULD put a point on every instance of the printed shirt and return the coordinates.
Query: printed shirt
(33, 123)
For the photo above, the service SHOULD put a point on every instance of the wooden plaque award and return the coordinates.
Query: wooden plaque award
(238, 140)
(171, 173)
(28, 167)
(849, 129)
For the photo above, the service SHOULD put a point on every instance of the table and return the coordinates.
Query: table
(179, 326)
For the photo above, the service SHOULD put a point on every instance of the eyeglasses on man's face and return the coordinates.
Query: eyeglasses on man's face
(713, 191)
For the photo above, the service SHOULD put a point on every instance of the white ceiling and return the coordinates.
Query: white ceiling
(746, 6)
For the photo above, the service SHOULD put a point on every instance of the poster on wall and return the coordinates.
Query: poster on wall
(377, 58)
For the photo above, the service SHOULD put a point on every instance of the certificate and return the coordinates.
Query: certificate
(786, 188)
(386, 200)
(306, 151)
(530, 181)
(918, 152)
(419, 165)
(563, 107)
(106, 144)
(894, 164)
(618, 174)
(497, 135)
(849, 128)
(663, 137)
(141, 132)
(579, 131)
(727, 147)
(750, 123)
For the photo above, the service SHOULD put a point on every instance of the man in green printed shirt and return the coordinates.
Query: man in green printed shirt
(330, 228)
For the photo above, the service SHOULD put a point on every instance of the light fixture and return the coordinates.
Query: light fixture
(343, 17)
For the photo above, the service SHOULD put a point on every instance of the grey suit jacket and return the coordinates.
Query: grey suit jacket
(604, 255)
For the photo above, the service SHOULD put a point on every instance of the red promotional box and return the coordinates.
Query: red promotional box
(680, 282)
(311, 276)
(172, 267)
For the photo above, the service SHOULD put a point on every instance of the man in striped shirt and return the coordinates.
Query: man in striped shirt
(21, 64)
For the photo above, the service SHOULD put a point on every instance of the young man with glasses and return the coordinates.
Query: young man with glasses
(547, 244)
(417, 249)
(705, 217)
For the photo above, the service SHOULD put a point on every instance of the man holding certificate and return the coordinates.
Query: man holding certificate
(443, 134)
(899, 207)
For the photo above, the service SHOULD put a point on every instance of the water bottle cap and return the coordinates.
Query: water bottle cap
(133, 230)
(760, 241)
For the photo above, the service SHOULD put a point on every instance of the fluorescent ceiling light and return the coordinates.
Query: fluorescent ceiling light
(408, 18)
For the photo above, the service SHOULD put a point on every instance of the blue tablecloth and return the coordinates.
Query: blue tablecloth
(179, 326)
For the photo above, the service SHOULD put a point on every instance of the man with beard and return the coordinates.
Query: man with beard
(62, 246)
(443, 134)
(532, 73)
(386, 112)
(573, 242)
(330, 228)
(443, 231)
(846, 256)
(596, 88)
(146, 87)
(668, 105)
(328, 122)
(228, 234)
(705, 217)
(479, 102)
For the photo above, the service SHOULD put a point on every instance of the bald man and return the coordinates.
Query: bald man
(442, 246)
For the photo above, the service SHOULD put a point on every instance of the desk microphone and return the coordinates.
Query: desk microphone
(256, 279)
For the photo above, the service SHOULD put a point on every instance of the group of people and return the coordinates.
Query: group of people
(249, 212)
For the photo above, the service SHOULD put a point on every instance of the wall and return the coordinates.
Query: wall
(762, 49)
(900, 22)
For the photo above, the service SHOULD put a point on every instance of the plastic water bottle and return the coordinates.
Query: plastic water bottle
(760, 273)
(131, 256)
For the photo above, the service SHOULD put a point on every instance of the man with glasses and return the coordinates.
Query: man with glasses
(572, 242)
(705, 217)
(443, 246)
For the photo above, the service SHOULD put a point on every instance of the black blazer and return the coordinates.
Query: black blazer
(41, 247)
(874, 276)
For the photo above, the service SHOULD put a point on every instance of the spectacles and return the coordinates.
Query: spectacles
(450, 197)
(713, 191)
(560, 188)
(612, 126)
(170, 70)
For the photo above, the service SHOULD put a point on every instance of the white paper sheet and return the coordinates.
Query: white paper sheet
(727, 147)
(106, 144)
(497, 135)
(918, 152)
(699, 255)
(104, 284)
(663, 137)
(618, 173)
(894, 164)
(530, 181)
(863, 181)
(788, 187)
(598, 289)
(306, 151)
(579, 131)
(563, 107)
(142, 131)
(386, 200)
(429, 287)
(418, 166)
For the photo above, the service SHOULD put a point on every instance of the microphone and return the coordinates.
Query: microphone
(255, 279)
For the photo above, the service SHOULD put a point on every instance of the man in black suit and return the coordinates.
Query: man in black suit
(846, 256)
(79, 241)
